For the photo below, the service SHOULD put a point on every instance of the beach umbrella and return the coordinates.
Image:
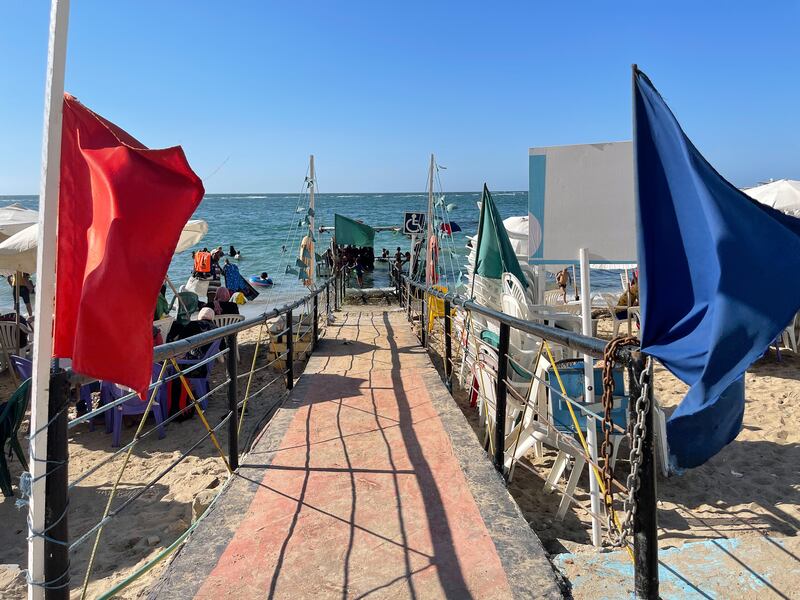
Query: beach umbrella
(782, 195)
(18, 252)
(194, 231)
(14, 218)
(494, 253)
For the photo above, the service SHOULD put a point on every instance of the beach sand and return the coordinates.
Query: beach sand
(751, 488)
(154, 520)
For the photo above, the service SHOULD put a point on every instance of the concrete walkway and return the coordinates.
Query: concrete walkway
(368, 482)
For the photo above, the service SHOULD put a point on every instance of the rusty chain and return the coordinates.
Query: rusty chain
(618, 535)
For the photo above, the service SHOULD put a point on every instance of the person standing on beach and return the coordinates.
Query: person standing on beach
(563, 279)
(25, 290)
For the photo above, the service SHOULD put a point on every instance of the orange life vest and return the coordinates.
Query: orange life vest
(202, 262)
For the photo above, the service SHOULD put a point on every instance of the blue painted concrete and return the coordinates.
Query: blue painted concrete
(711, 569)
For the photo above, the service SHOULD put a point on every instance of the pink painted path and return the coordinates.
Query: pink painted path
(363, 496)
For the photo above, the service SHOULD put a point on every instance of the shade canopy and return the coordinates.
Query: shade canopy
(782, 195)
(18, 252)
(352, 233)
(14, 218)
(194, 231)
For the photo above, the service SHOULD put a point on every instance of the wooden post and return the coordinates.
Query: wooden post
(56, 566)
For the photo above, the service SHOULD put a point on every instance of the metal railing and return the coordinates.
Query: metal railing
(302, 324)
(415, 297)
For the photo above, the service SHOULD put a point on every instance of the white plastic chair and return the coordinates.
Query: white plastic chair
(611, 303)
(164, 326)
(9, 337)
(222, 320)
(789, 337)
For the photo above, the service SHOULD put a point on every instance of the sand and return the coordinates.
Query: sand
(751, 488)
(157, 518)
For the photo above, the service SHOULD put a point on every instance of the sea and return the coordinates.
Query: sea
(267, 229)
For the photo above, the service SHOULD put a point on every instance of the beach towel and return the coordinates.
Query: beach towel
(236, 283)
(705, 251)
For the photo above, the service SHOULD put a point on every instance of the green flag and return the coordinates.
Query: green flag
(353, 233)
(494, 255)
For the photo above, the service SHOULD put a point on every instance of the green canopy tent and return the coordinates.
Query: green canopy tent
(352, 233)
(494, 255)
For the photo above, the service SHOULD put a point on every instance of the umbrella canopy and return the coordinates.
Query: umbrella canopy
(14, 218)
(782, 195)
(18, 253)
(194, 231)
(494, 253)
(352, 233)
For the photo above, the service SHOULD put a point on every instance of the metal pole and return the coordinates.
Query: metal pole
(645, 521)
(408, 298)
(589, 395)
(327, 298)
(448, 347)
(56, 550)
(315, 326)
(289, 351)
(336, 291)
(423, 319)
(45, 297)
(500, 412)
(233, 401)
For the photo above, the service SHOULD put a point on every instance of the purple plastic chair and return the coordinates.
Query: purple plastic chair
(198, 382)
(133, 406)
(22, 366)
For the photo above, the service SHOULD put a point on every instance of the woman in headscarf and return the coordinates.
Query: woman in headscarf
(222, 304)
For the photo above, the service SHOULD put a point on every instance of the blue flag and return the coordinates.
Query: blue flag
(708, 256)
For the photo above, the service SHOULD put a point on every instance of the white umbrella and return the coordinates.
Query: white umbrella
(14, 218)
(192, 233)
(782, 195)
(18, 253)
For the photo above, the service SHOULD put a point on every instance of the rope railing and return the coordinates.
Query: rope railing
(303, 321)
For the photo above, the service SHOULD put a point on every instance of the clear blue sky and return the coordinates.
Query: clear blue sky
(373, 87)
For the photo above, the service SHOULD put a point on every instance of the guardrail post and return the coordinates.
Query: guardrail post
(233, 402)
(289, 351)
(448, 347)
(336, 291)
(315, 326)
(645, 520)
(327, 298)
(56, 551)
(502, 390)
(423, 319)
(408, 299)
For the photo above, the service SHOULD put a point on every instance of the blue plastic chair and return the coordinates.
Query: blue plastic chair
(571, 372)
(198, 381)
(22, 366)
(133, 406)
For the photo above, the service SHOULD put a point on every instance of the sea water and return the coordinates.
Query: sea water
(267, 229)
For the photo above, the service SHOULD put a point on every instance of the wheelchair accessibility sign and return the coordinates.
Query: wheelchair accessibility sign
(414, 223)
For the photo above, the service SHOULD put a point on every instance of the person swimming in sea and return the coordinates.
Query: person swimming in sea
(264, 276)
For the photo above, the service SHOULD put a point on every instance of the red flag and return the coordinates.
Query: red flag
(121, 211)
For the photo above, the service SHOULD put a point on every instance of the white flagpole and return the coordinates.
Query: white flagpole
(45, 296)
